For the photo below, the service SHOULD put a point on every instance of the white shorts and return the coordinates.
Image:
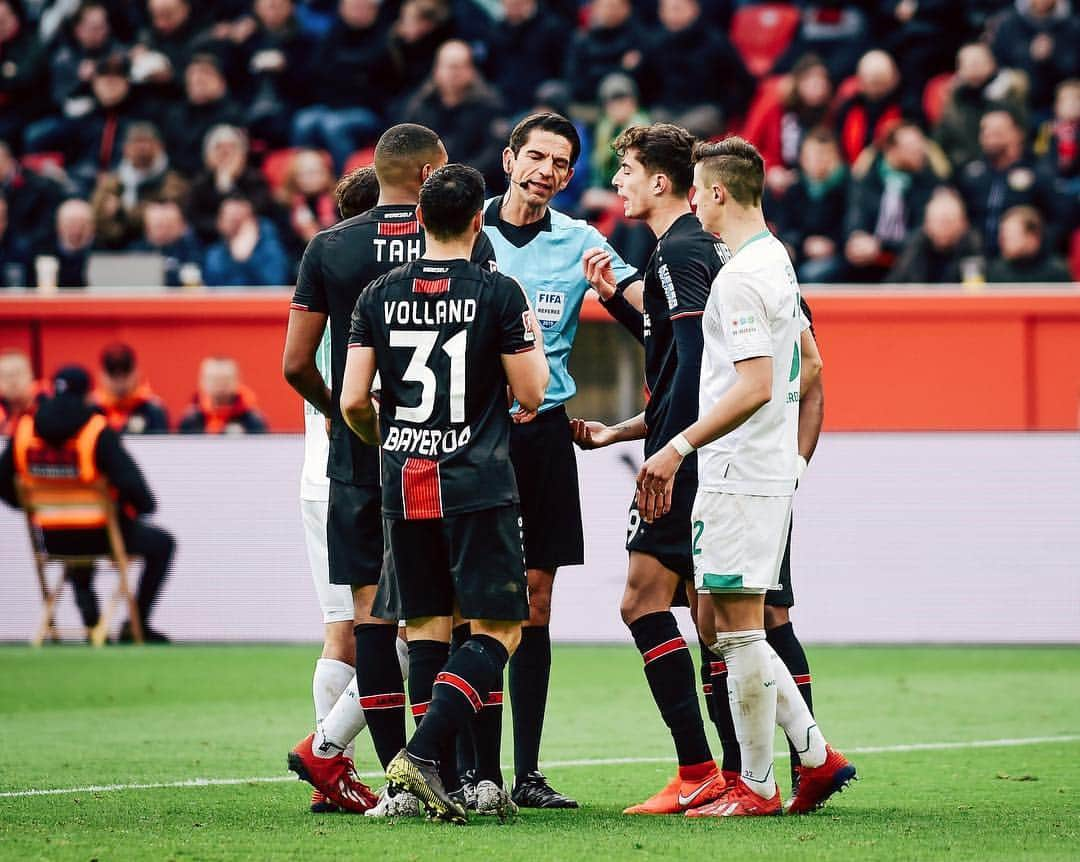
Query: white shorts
(739, 542)
(335, 599)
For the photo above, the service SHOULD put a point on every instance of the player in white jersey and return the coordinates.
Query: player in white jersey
(748, 464)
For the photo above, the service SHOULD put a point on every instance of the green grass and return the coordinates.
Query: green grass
(71, 717)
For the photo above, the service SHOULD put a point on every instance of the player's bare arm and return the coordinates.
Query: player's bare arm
(528, 372)
(357, 404)
(811, 400)
(810, 363)
(595, 435)
(752, 390)
(298, 361)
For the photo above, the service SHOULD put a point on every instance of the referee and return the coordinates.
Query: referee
(544, 250)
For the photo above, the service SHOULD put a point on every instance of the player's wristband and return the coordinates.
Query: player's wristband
(800, 468)
(682, 445)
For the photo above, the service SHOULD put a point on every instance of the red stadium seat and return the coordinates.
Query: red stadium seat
(276, 164)
(360, 159)
(762, 32)
(934, 96)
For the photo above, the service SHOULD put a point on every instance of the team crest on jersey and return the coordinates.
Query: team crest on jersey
(526, 319)
(668, 285)
(549, 307)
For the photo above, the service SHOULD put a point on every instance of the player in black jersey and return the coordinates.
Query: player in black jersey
(337, 265)
(654, 180)
(446, 337)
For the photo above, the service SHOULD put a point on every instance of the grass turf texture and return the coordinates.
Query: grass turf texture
(70, 716)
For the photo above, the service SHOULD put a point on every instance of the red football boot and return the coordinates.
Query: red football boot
(818, 783)
(682, 793)
(321, 805)
(335, 777)
(738, 800)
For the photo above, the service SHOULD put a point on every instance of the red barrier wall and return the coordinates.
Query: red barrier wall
(893, 361)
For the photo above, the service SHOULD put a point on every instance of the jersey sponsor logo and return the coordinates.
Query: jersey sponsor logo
(668, 285)
(745, 324)
(646, 323)
(430, 313)
(722, 252)
(796, 365)
(549, 307)
(427, 442)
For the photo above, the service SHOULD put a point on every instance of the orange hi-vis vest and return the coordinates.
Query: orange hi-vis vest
(39, 464)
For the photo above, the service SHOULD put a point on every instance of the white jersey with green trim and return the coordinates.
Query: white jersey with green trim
(753, 310)
(313, 482)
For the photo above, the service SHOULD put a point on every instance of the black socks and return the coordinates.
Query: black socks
(382, 692)
(530, 671)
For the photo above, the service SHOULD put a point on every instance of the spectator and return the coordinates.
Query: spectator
(59, 420)
(1005, 177)
(834, 30)
(527, 47)
(614, 42)
(94, 141)
(941, 250)
(166, 232)
(71, 244)
(691, 74)
(144, 174)
(350, 83)
(125, 400)
(1059, 140)
(249, 253)
(207, 104)
(223, 405)
(1023, 257)
(869, 112)
(226, 172)
(977, 88)
(23, 69)
(14, 252)
(888, 196)
(71, 69)
(1041, 38)
(458, 104)
(778, 128)
(31, 199)
(810, 220)
(20, 395)
(922, 35)
(307, 195)
(277, 61)
(163, 50)
(421, 28)
(619, 103)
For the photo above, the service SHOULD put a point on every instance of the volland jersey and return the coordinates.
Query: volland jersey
(677, 281)
(546, 259)
(338, 264)
(439, 330)
(314, 485)
(754, 310)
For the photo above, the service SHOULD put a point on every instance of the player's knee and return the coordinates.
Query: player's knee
(539, 609)
(776, 617)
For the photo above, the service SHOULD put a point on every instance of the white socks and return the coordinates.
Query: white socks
(793, 716)
(752, 693)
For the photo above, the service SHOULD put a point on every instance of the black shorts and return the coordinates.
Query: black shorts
(354, 540)
(543, 455)
(667, 539)
(475, 558)
(783, 597)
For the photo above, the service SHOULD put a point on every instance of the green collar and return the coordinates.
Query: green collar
(754, 238)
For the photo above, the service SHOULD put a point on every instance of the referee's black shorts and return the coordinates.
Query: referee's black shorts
(783, 597)
(543, 455)
(354, 539)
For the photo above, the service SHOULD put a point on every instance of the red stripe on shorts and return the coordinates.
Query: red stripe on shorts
(420, 491)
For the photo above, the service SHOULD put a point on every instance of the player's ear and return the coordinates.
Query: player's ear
(420, 217)
(660, 184)
(426, 171)
(478, 221)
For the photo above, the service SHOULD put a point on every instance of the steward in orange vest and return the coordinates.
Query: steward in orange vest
(130, 406)
(67, 440)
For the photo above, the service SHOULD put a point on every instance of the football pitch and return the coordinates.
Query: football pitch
(179, 753)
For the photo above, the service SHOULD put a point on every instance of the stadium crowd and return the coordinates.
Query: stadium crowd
(912, 141)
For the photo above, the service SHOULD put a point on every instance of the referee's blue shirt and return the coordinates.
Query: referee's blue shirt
(548, 265)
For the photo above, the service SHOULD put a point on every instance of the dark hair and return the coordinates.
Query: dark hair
(663, 148)
(402, 152)
(738, 166)
(449, 199)
(357, 191)
(557, 124)
(117, 358)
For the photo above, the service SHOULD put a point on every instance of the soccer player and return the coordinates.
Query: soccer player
(337, 265)
(544, 249)
(747, 432)
(654, 179)
(356, 193)
(447, 336)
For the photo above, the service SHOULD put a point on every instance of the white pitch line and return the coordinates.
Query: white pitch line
(548, 764)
